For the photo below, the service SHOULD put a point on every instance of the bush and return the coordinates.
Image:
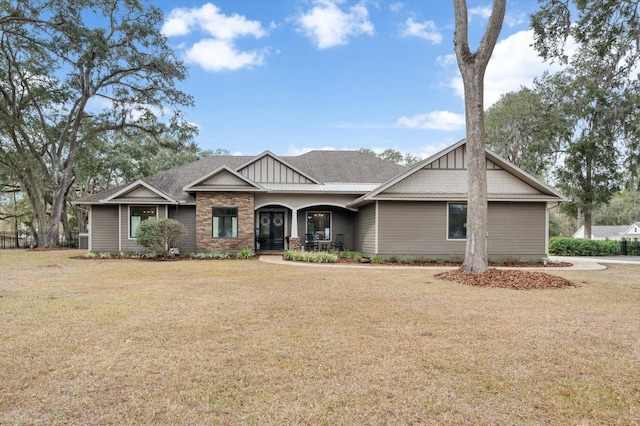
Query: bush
(160, 235)
(245, 254)
(350, 255)
(564, 246)
(311, 257)
(210, 255)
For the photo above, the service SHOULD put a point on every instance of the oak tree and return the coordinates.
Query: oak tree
(74, 72)
(472, 67)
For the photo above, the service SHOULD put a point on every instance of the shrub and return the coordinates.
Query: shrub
(311, 257)
(160, 235)
(350, 255)
(564, 246)
(245, 254)
(210, 255)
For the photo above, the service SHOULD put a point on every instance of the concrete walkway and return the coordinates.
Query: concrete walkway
(630, 260)
(579, 264)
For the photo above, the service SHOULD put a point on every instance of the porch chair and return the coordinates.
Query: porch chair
(310, 243)
(338, 244)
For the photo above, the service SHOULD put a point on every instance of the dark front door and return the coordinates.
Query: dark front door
(271, 231)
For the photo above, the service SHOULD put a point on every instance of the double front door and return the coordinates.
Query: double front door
(271, 231)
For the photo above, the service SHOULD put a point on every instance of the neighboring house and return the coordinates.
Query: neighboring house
(383, 209)
(598, 232)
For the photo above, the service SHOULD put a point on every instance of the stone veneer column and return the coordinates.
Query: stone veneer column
(205, 202)
(294, 243)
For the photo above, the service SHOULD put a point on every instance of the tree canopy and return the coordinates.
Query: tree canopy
(597, 94)
(74, 74)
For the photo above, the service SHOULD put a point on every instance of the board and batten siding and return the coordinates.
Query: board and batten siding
(410, 229)
(104, 225)
(269, 170)
(186, 215)
(365, 230)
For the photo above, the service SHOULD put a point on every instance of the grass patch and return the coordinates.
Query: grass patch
(244, 342)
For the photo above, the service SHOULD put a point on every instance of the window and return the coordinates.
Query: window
(319, 224)
(137, 214)
(457, 221)
(225, 222)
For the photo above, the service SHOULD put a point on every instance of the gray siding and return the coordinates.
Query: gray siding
(187, 216)
(365, 231)
(130, 244)
(517, 230)
(104, 228)
(270, 170)
(410, 229)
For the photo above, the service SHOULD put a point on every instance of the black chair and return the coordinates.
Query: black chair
(338, 244)
(310, 243)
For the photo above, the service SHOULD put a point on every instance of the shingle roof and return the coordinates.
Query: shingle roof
(324, 166)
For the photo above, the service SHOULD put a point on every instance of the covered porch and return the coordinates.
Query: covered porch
(280, 226)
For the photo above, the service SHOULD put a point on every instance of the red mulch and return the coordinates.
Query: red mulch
(507, 278)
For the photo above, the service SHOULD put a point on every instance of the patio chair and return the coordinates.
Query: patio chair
(338, 244)
(310, 243)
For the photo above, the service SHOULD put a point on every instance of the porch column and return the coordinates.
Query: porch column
(294, 223)
(294, 238)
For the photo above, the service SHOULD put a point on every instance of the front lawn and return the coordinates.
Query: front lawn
(244, 342)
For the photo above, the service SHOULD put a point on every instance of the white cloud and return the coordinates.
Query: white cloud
(483, 12)
(425, 30)
(218, 52)
(209, 18)
(513, 20)
(435, 120)
(329, 26)
(514, 63)
(219, 55)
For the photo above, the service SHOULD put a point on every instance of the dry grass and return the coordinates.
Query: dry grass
(242, 342)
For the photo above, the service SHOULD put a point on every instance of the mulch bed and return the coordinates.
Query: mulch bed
(503, 278)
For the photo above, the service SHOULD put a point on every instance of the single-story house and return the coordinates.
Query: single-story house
(382, 209)
(602, 232)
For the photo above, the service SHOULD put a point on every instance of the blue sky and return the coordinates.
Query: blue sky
(294, 75)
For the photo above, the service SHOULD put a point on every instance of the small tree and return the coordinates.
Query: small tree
(159, 235)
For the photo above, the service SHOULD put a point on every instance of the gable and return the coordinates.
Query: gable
(269, 169)
(454, 181)
(222, 179)
(444, 176)
(138, 192)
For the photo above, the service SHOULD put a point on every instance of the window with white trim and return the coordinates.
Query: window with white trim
(225, 222)
(457, 221)
(137, 214)
(319, 224)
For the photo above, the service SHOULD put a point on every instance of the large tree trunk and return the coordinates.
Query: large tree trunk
(476, 254)
(472, 68)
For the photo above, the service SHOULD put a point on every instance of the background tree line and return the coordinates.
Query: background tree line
(89, 101)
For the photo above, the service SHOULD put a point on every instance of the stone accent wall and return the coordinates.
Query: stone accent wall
(205, 201)
(294, 243)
